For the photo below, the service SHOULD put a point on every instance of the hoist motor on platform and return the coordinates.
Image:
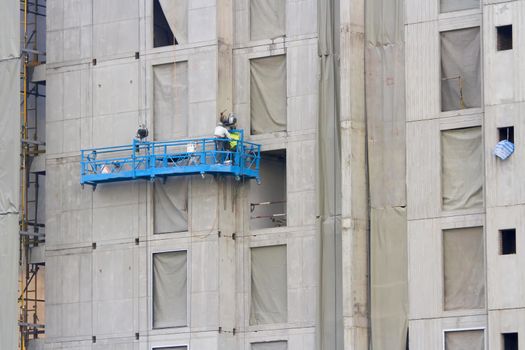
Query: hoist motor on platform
(151, 159)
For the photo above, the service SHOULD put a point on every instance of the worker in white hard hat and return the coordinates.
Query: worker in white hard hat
(221, 132)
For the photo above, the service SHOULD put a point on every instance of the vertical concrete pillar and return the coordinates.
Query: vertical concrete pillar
(227, 185)
(354, 183)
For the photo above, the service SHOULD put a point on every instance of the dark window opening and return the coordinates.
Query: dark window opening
(162, 34)
(510, 341)
(268, 200)
(506, 133)
(504, 37)
(508, 241)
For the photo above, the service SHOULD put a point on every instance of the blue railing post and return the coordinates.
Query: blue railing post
(165, 157)
(203, 150)
(133, 157)
(82, 167)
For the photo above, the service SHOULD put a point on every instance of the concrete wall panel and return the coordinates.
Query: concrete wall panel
(423, 169)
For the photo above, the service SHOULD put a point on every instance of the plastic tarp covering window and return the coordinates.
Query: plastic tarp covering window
(271, 345)
(267, 19)
(460, 69)
(329, 333)
(176, 12)
(465, 340)
(170, 96)
(171, 205)
(463, 261)
(268, 94)
(458, 5)
(389, 278)
(269, 302)
(170, 280)
(462, 168)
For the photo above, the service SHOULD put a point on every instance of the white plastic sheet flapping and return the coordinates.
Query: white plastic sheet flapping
(462, 168)
(271, 345)
(458, 5)
(460, 69)
(170, 101)
(176, 12)
(465, 340)
(268, 94)
(267, 19)
(463, 261)
(171, 205)
(170, 281)
(269, 302)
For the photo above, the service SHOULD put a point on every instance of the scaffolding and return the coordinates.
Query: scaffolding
(32, 234)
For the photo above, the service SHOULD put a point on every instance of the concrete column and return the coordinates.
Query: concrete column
(354, 183)
(227, 185)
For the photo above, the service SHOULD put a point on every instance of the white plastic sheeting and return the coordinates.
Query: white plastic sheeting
(170, 98)
(462, 168)
(389, 278)
(10, 29)
(458, 5)
(172, 348)
(267, 19)
(269, 301)
(176, 12)
(9, 281)
(171, 205)
(385, 107)
(9, 135)
(463, 261)
(271, 345)
(9, 170)
(170, 280)
(460, 69)
(268, 94)
(465, 340)
(329, 333)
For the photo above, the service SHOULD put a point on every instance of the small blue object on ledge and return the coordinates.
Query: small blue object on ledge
(504, 149)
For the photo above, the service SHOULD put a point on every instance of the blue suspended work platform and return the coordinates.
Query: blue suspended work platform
(149, 160)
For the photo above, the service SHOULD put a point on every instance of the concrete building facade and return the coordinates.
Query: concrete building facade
(383, 219)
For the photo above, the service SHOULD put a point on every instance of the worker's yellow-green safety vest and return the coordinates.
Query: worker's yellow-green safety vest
(234, 137)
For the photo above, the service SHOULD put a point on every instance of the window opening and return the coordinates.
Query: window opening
(460, 69)
(268, 200)
(268, 94)
(507, 241)
(269, 286)
(510, 341)
(162, 33)
(506, 133)
(464, 269)
(170, 281)
(459, 340)
(458, 5)
(504, 34)
(271, 345)
(461, 168)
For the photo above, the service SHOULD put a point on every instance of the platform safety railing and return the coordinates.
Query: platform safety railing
(147, 160)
